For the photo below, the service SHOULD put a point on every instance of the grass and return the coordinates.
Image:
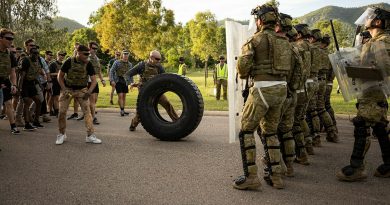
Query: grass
(210, 102)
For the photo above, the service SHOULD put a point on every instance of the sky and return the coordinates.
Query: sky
(185, 10)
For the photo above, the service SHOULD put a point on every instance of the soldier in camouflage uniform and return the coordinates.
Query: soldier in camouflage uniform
(147, 70)
(294, 82)
(266, 58)
(302, 97)
(311, 127)
(73, 79)
(330, 128)
(371, 106)
(117, 76)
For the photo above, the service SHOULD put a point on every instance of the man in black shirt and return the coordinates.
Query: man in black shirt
(54, 68)
(73, 80)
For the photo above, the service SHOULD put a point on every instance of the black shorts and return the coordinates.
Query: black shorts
(121, 87)
(28, 89)
(6, 91)
(96, 89)
(56, 88)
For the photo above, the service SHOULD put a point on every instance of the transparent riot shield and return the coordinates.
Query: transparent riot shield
(358, 70)
(236, 35)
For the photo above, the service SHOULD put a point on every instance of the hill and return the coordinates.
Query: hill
(62, 22)
(348, 15)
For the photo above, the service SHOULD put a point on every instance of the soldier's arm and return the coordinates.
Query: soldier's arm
(113, 71)
(61, 79)
(245, 61)
(134, 71)
(92, 75)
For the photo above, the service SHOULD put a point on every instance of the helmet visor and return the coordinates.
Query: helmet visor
(366, 17)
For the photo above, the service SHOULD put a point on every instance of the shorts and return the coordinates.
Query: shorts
(96, 89)
(28, 89)
(121, 87)
(6, 91)
(56, 88)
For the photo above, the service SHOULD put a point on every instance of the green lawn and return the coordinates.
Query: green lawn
(210, 103)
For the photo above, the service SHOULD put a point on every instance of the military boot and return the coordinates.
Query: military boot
(383, 171)
(352, 174)
(302, 158)
(332, 137)
(309, 148)
(317, 141)
(290, 169)
(277, 181)
(252, 182)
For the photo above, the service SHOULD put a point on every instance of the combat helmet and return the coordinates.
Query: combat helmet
(325, 39)
(267, 13)
(316, 34)
(303, 29)
(285, 22)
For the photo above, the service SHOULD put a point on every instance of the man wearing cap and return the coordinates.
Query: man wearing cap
(221, 75)
(147, 70)
(266, 59)
(109, 66)
(117, 76)
(73, 79)
(8, 64)
(54, 67)
(182, 67)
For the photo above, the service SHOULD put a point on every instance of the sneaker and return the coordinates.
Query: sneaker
(37, 125)
(2, 117)
(383, 171)
(80, 118)
(251, 182)
(60, 139)
(28, 127)
(92, 139)
(45, 118)
(126, 113)
(15, 131)
(5, 118)
(95, 121)
(122, 113)
(73, 116)
(351, 174)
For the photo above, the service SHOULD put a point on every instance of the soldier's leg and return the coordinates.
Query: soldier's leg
(355, 171)
(312, 127)
(381, 132)
(218, 86)
(224, 83)
(324, 116)
(134, 122)
(19, 112)
(163, 101)
(85, 107)
(38, 104)
(299, 116)
(63, 101)
(328, 105)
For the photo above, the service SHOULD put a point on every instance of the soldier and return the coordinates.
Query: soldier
(182, 67)
(117, 76)
(109, 65)
(266, 58)
(147, 70)
(54, 68)
(8, 64)
(302, 98)
(295, 81)
(221, 74)
(331, 133)
(371, 106)
(73, 79)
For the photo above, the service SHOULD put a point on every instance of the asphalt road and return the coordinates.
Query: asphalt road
(135, 168)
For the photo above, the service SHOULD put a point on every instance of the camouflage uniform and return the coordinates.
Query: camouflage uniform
(76, 77)
(372, 112)
(263, 107)
(329, 87)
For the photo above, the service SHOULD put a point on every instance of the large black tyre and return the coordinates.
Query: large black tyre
(147, 106)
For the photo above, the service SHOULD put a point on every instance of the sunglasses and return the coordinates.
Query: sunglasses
(63, 55)
(157, 59)
(9, 38)
(86, 53)
(31, 45)
(125, 53)
(94, 48)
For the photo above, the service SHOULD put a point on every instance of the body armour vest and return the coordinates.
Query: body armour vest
(304, 50)
(149, 72)
(95, 62)
(122, 69)
(316, 58)
(272, 54)
(5, 64)
(33, 70)
(298, 72)
(77, 74)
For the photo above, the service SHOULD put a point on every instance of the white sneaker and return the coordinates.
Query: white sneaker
(60, 139)
(92, 139)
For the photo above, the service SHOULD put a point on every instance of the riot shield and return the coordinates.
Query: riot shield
(236, 35)
(358, 70)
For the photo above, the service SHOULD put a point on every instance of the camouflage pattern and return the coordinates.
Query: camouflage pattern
(266, 114)
(149, 72)
(285, 128)
(77, 75)
(64, 100)
(311, 112)
(5, 65)
(96, 64)
(328, 93)
(33, 70)
(122, 69)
